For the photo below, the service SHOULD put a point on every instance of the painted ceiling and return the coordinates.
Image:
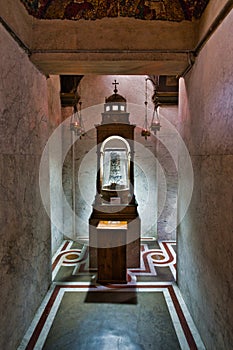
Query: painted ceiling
(169, 10)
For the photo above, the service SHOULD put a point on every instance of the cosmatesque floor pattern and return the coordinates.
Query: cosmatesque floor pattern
(147, 313)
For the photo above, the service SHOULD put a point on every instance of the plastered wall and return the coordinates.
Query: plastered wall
(25, 249)
(205, 239)
(55, 162)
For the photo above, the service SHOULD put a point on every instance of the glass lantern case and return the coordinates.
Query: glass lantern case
(115, 158)
(115, 169)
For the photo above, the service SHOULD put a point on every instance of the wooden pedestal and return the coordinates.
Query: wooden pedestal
(111, 254)
(128, 214)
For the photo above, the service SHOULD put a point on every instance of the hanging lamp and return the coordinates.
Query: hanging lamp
(145, 130)
(76, 123)
(155, 122)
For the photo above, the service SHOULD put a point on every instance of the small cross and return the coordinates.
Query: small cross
(115, 83)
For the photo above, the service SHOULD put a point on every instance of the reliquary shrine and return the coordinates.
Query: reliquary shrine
(114, 233)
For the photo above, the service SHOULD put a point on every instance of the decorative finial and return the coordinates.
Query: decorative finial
(115, 83)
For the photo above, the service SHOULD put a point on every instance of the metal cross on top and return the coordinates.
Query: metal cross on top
(115, 83)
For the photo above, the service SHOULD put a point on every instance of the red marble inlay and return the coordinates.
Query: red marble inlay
(171, 257)
(56, 261)
(183, 322)
(44, 316)
(65, 246)
(58, 257)
(147, 267)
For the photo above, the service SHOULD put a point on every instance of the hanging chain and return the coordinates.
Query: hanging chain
(146, 105)
(145, 131)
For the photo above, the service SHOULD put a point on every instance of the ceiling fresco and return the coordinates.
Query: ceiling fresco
(169, 10)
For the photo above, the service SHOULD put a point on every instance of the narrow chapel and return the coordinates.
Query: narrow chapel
(116, 151)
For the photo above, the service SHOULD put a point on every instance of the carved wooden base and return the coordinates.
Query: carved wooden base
(111, 255)
(132, 240)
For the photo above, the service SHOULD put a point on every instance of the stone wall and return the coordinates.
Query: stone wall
(167, 154)
(55, 162)
(25, 254)
(205, 238)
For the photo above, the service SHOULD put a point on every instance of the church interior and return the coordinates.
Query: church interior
(116, 174)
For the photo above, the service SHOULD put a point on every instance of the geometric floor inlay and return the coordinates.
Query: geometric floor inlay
(146, 313)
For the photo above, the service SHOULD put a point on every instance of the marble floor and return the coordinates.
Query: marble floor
(147, 313)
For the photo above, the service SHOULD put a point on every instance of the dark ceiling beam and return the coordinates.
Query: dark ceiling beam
(164, 93)
(190, 54)
(69, 85)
